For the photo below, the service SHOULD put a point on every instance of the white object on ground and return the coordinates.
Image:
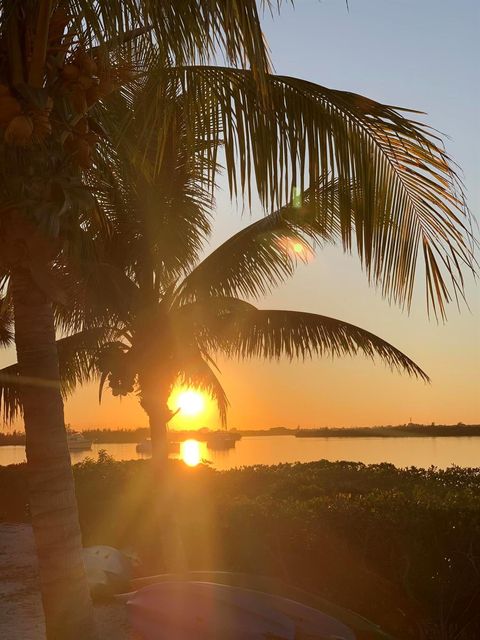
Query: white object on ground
(108, 570)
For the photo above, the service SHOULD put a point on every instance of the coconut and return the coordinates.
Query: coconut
(9, 108)
(19, 131)
(70, 73)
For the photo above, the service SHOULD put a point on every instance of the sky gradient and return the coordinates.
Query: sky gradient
(421, 55)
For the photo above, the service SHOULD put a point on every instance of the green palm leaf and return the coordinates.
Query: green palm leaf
(200, 29)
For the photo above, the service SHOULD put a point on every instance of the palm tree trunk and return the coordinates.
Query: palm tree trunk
(155, 405)
(157, 418)
(65, 593)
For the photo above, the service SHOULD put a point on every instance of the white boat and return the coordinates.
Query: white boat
(77, 442)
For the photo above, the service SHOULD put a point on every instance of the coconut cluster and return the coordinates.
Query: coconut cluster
(23, 126)
(80, 143)
(78, 79)
(86, 79)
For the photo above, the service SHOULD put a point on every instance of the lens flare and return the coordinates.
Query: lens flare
(190, 452)
(298, 248)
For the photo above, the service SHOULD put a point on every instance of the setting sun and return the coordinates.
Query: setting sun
(190, 402)
(192, 408)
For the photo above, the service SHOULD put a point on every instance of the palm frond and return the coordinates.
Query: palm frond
(6, 322)
(180, 30)
(202, 29)
(407, 197)
(98, 294)
(76, 357)
(193, 369)
(265, 253)
(10, 404)
(160, 219)
(241, 330)
(196, 372)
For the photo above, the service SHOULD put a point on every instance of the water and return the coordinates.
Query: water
(402, 452)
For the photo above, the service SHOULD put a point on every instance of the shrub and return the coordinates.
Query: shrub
(399, 546)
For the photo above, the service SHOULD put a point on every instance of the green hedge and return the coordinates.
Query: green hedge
(402, 547)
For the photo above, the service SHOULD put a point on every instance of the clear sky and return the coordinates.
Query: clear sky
(415, 53)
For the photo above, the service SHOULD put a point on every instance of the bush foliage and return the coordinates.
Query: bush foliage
(401, 547)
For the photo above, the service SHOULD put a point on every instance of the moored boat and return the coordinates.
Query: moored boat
(145, 447)
(222, 440)
(77, 441)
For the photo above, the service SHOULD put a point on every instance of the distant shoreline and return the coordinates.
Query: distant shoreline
(107, 436)
(403, 431)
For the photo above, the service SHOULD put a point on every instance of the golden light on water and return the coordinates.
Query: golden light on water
(191, 452)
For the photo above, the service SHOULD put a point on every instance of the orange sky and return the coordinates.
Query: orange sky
(345, 392)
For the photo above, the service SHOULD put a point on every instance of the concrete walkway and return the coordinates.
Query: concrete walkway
(21, 616)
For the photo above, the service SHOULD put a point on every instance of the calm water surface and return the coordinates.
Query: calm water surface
(402, 452)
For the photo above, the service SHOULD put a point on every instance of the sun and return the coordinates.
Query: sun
(190, 402)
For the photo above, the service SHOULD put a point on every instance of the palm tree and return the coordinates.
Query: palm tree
(154, 314)
(175, 339)
(61, 62)
(60, 59)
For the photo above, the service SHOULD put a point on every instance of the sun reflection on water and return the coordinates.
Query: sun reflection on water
(191, 452)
